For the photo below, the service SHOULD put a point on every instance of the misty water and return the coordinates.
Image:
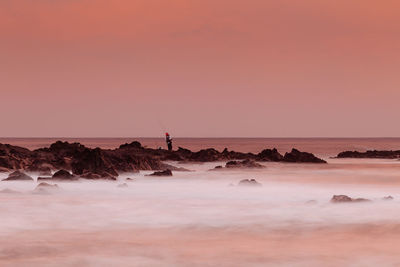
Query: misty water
(202, 218)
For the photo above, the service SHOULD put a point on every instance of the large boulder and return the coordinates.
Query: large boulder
(18, 176)
(301, 157)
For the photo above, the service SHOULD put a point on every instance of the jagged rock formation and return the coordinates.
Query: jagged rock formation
(373, 154)
(100, 163)
(298, 156)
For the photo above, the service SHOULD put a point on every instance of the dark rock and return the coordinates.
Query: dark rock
(249, 182)
(18, 176)
(341, 198)
(134, 144)
(129, 179)
(64, 175)
(269, 155)
(379, 154)
(388, 198)
(162, 173)
(304, 157)
(93, 161)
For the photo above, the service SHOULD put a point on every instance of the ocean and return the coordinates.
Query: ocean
(203, 218)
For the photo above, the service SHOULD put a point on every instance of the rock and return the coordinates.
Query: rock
(218, 167)
(129, 179)
(124, 185)
(380, 154)
(247, 163)
(134, 145)
(93, 161)
(18, 176)
(45, 188)
(304, 157)
(388, 198)
(46, 185)
(45, 171)
(341, 198)
(2, 169)
(249, 182)
(95, 176)
(167, 172)
(344, 199)
(64, 176)
(269, 155)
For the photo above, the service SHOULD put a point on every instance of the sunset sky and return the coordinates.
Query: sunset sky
(199, 68)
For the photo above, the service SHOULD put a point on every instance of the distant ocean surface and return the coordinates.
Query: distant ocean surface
(325, 147)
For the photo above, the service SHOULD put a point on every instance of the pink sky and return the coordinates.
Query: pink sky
(199, 68)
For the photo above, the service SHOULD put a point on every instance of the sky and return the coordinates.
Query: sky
(199, 68)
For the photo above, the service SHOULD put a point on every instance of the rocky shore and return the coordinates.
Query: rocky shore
(97, 163)
(377, 154)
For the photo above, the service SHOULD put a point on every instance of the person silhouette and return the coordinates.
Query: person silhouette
(168, 139)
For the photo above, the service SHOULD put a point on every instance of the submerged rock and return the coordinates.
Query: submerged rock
(167, 172)
(45, 188)
(388, 198)
(247, 163)
(18, 176)
(249, 182)
(344, 199)
(9, 191)
(124, 185)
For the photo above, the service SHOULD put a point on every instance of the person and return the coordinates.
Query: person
(168, 139)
